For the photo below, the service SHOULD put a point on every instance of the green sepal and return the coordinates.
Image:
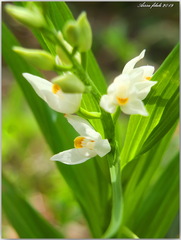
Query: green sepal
(29, 17)
(78, 33)
(71, 33)
(85, 33)
(38, 58)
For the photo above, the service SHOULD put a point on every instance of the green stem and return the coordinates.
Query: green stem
(116, 115)
(90, 115)
(84, 60)
(74, 51)
(117, 203)
(62, 68)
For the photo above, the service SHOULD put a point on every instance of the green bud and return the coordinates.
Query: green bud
(38, 58)
(71, 33)
(85, 33)
(29, 17)
(78, 33)
(69, 83)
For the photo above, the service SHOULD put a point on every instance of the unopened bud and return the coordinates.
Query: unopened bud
(85, 33)
(38, 58)
(71, 33)
(78, 33)
(69, 83)
(29, 17)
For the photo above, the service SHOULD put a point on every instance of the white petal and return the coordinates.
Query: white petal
(130, 65)
(135, 107)
(107, 104)
(102, 147)
(147, 71)
(71, 157)
(121, 81)
(64, 102)
(144, 88)
(39, 84)
(136, 75)
(83, 127)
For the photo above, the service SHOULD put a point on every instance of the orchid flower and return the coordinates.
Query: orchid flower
(129, 89)
(87, 145)
(53, 95)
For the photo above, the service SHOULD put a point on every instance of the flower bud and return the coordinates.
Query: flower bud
(69, 83)
(78, 33)
(85, 33)
(38, 58)
(29, 17)
(71, 33)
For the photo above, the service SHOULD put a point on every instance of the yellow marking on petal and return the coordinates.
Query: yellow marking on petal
(148, 78)
(122, 101)
(55, 88)
(78, 142)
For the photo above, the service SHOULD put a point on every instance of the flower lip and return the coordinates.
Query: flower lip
(78, 142)
(55, 88)
(122, 101)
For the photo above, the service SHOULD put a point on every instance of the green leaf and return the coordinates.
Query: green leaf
(140, 178)
(27, 222)
(163, 197)
(144, 132)
(172, 113)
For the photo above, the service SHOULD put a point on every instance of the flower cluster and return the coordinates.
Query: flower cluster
(129, 89)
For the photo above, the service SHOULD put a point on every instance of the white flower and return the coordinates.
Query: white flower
(129, 89)
(53, 95)
(87, 145)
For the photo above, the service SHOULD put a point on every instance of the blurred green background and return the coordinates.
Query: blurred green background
(121, 31)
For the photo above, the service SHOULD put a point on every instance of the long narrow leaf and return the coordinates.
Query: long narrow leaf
(24, 218)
